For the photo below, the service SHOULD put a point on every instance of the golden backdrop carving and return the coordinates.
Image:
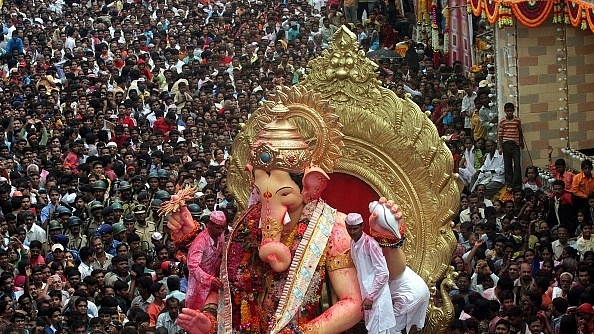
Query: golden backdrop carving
(390, 144)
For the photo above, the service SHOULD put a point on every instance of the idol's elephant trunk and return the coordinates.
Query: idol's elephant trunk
(281, 197)
(272, 251)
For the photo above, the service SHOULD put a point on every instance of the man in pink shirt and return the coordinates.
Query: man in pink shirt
(204, 260)
(73, 156)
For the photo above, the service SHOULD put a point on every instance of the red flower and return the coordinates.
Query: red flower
(301, 228)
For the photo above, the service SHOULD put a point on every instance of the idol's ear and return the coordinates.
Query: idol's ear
(315, 181)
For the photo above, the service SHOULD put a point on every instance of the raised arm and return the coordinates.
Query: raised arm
(345, 313)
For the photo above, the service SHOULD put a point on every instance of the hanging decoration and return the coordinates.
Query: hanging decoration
(434, 26)
(574, 12)
(446, 31)
(590, 16)
(491, 10)
(532, 13)
(558, 14)
(505, 16)
(475, 7)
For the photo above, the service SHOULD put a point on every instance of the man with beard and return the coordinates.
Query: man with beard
(525, 282)
(563, 286)
(168, 319)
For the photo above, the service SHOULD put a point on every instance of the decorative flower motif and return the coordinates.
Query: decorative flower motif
(301, 227)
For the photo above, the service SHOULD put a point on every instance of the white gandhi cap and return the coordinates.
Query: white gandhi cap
(354, 219)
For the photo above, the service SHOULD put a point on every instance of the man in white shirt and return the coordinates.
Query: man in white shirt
(373, 275)
(34, 231)
(473, 206)
(562, 241)
(480, 191)
(492, 173)
(87, 257)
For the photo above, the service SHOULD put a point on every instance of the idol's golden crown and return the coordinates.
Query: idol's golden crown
(280, 146)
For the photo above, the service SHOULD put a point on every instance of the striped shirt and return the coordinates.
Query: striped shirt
(509, 130)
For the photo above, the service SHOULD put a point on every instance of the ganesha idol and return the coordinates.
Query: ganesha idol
(286, 264)
(286, 245)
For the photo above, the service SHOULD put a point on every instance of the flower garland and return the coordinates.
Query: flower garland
(574, 14)
(475, 7)
(532, 13)
(590, 16)
(558, 13)
(434, 26)
(446, 32)
(250, 278)
(491, 10)
(505, 16)
(434, 14)
(423, 12)
(245, 273)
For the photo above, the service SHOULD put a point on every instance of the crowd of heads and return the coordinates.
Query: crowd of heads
(525, 263)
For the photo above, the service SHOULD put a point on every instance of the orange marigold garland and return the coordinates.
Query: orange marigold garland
(574, 13)
(590, 16)
(532, 13)
(491, 10)
(475, 7)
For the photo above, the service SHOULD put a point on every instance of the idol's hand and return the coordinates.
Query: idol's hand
(194, 322)
(386, 217)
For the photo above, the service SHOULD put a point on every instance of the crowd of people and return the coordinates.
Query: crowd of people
(109, 108)
(525, 263)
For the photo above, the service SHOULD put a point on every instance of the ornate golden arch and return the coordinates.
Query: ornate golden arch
(388, 143)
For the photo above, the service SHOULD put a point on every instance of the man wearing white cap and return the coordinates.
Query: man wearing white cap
(373, 275)
(204, 260)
